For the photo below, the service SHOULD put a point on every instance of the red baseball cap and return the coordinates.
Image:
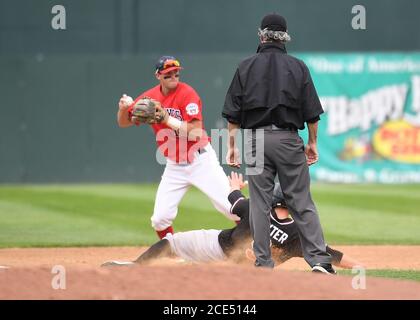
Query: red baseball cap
(167, 64)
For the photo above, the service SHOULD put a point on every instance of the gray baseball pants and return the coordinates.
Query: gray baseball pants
(283, 155)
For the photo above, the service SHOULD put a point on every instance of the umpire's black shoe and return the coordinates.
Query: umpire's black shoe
(324, 268)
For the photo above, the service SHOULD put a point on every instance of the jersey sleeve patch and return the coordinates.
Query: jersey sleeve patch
(192, 109)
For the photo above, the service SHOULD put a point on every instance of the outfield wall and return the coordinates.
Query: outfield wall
(59, 88)
(58, 116)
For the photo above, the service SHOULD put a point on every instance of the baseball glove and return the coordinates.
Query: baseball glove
(148, 110)
(144, 110)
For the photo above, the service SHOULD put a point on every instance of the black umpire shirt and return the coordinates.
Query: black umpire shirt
(272, 87)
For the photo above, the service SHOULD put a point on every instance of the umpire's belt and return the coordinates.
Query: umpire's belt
(273, 127)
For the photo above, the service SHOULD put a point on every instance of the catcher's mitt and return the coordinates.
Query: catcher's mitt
(148, 110)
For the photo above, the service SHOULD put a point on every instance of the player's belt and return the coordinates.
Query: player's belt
(183, 164)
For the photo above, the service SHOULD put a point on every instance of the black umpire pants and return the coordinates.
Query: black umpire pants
(283, 155)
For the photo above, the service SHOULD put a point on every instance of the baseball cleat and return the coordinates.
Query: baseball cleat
(116, 263)
(323, 268)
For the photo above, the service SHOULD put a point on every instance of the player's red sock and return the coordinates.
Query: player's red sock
(162, 233)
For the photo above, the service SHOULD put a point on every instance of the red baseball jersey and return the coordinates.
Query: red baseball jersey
(184, 104)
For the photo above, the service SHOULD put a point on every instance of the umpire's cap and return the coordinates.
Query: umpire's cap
(275, 22)
(278, 197)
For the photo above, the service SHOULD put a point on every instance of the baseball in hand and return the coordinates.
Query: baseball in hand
(128, 100)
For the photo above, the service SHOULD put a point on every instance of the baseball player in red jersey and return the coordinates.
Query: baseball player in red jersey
(181, 138)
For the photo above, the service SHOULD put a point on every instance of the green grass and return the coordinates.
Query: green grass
(119, 214)
(369, 214)
(413, 275)
(99, 215)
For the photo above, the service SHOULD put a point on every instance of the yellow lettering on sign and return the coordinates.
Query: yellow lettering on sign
(398, 141)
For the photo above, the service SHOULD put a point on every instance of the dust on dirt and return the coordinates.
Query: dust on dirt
(29, 276)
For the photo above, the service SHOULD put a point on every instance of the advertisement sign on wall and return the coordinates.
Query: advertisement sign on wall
(370, 131)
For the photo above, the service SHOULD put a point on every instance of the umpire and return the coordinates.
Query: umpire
(274, 92)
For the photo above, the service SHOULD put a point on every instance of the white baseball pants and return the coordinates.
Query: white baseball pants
(205, 173)
(196, 245)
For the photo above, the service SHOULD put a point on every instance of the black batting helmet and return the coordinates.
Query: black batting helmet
(278, 197)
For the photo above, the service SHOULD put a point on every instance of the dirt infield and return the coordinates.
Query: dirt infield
(29, 276)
